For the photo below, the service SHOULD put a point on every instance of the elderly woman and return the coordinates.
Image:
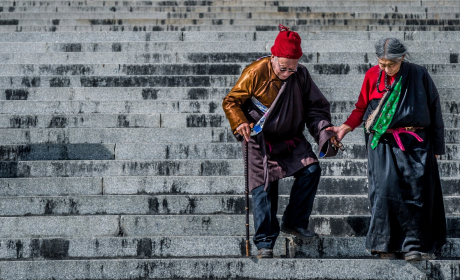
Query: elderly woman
(404, 134)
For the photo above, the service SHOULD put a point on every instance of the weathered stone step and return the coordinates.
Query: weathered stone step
(139, 151)
(147, 135)
(107, 16)
(177, 204)
(179, 246)
(18, 114)
(193, 185)
(219, 120)
(191, 69)
(91, 151)
(74, 56)
(223, 28)
(80, 120)
(160, 225)
(229, 268)
(64, 20)
(16, 82)
(159, 93)
(147, 225)
(140, 36)
(59, 226)
(232, 3)
(140, 10)
(228, 167)
(180, 204)
(113, 135)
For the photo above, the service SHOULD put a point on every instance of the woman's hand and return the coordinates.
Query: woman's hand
(244, 130)
(341, 131)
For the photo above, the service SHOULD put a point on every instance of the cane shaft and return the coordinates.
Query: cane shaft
(246, 148)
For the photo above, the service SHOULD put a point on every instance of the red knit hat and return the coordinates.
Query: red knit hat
(287, 44)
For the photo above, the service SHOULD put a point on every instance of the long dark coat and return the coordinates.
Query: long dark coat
(404, 186)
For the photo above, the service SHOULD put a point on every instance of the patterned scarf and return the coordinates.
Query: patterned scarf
(388, 111)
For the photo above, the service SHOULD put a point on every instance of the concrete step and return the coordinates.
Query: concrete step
(140, 36)
(107, 16)
(13, 112)
(72, 20)
(74, 56)
(191, 69)
(80, 120)
(181, 204)
(147, 225)
(166, 93)
(147, 135)
(232, 3)
(18, 82)
(140, 151)
(224, 28)
(170, 185)
(179, 246)
(228, 167)
(284, 10)
(63, 20)
(59, 226)
(225, 268)
(160, 225)
(177, 204)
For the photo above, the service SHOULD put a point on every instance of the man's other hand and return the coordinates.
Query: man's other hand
(244, 130)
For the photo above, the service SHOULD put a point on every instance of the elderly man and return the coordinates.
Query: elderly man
(268, 108)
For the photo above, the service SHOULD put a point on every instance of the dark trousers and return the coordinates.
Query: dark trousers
(297, 213)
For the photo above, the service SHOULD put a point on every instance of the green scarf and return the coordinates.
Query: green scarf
(388, 111)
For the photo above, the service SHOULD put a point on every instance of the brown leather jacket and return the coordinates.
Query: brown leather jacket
(258, 80)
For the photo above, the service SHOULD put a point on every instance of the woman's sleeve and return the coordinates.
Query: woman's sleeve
(356, 117)
(436, 127)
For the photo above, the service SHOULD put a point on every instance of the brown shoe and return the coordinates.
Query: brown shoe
(265, 253)
(388, 256)
(413, 256)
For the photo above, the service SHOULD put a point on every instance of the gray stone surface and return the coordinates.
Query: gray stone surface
(165, 93)
(50, 186)
(59, 226)
(110, 135)
(186, 246)
(229, 269)
(93, 151)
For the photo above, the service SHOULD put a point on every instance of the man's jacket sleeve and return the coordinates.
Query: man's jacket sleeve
(317, 116)
(232, 103)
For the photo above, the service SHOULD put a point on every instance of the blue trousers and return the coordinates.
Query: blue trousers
(298, 210)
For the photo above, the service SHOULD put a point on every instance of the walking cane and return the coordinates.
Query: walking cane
(246, 145)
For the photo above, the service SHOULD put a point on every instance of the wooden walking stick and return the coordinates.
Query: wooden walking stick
(246, 148)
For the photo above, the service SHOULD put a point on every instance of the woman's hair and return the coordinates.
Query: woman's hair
(390, 48)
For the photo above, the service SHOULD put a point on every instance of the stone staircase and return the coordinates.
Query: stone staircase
(117, 162)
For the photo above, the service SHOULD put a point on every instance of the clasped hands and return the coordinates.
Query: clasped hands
(244, 130)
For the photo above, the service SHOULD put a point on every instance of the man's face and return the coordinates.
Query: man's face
(284, 67)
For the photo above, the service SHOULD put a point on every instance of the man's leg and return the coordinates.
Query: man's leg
(303, 193)
(264, 207)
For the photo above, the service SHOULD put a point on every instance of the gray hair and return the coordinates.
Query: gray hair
(390, 48)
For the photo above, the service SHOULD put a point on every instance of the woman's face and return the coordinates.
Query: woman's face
(391, 67)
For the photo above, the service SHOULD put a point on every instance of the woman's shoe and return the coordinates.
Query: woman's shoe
(413, 256)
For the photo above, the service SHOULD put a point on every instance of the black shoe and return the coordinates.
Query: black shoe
(265, 253)
(413, 256)
(300, 232)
